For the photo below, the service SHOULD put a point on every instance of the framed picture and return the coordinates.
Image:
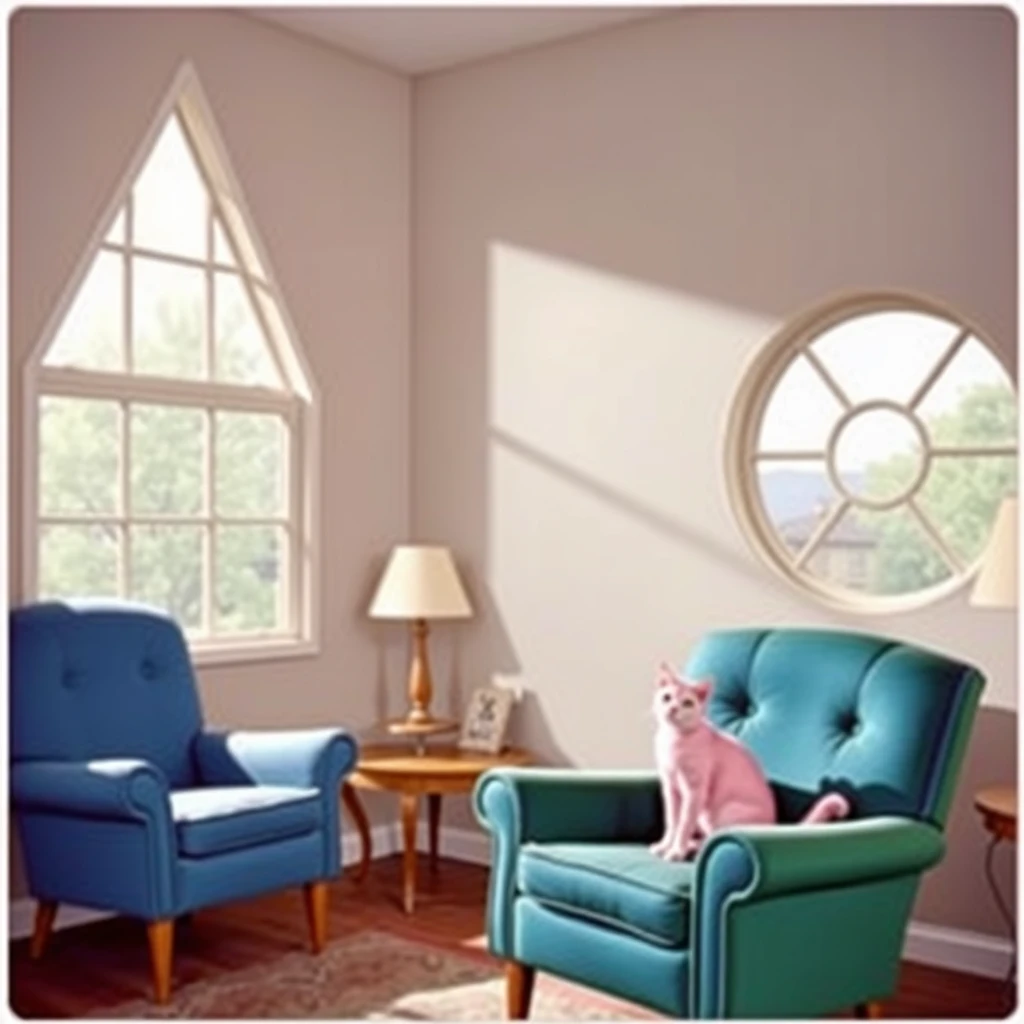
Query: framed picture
(486, 720)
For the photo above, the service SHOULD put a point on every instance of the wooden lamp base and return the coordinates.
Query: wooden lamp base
(419, 723)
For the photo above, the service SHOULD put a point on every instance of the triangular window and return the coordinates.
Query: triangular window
(173, 419)
(164, 295)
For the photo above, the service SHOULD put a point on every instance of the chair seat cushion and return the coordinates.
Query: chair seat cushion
(620, 885)
(214, 819)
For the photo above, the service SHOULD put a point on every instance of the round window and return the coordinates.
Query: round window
(870, 445)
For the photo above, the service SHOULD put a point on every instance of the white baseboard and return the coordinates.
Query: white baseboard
(469, 845)
(958, 950)
(953, 948)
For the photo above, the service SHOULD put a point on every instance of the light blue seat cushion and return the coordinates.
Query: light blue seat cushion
(215, 819)
(622, 886)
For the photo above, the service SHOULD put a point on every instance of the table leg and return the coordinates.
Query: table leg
(355, 808)
(410, 809)
(434, 804)
(1004, 910)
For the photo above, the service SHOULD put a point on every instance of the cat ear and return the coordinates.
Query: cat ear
(703, 688)
(666, 674)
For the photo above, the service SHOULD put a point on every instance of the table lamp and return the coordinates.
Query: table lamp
(420, 582)
(996, 585)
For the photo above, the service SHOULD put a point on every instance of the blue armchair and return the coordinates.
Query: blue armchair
(782, 921)
(125, 803)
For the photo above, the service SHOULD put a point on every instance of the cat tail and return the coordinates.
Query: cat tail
(829, 808)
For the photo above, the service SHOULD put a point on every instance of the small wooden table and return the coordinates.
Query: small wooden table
(998, 808)
(397, 769)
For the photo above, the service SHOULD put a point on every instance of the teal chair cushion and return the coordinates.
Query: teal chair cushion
(619, 885)
(215, 819)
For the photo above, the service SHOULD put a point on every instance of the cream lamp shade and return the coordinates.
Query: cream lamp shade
(996, 585)
(420, 582)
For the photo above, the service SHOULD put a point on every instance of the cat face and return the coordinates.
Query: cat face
(678, 702)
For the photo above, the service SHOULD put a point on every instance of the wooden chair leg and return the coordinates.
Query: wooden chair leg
(518, 989)
(316, 896)
(868, 1011)
(46, 914)
(161, 955)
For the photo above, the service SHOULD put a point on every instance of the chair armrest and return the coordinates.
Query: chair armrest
(318, 758)
(553, 804)
(519, 805)
(778, 859)
(121, 788)
(773, 865)
(295, 757)
(80, 822)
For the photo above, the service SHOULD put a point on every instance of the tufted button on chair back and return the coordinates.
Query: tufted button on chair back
(102, 679)
(880, 721)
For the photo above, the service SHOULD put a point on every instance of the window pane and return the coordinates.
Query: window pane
(961, 496)
(167, 447)
(170, 198)
(79, 446)
(899, 556)
(168, 304)
(801, 412)
(250, 575)
(78, 561)
(884, 355)
(795, 496)
(879, 455)
(972, 402)
(250, 464)
(167, 570)
(847, 556)
(242, 353)
(91, 336)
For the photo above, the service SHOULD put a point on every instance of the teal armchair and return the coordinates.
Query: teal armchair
(786, 920)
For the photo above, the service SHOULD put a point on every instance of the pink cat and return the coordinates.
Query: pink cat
(709, 779)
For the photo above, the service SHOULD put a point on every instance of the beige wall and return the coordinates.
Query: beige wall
(320, 144)
(605, 231)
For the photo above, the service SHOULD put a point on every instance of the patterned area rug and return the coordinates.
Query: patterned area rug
(375, 976)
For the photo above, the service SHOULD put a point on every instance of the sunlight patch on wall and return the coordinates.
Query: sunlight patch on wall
(606, 512)
(622, 380)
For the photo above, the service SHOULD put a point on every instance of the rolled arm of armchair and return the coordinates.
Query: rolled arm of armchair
(744, 866)
(519, 805)
(309, 758)
(64, 802)
(121, 788)
(779, 859)
(317, 758)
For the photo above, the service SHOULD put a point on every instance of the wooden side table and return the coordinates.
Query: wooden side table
(437, 771)
(998, 808)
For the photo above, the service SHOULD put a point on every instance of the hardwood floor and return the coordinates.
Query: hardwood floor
(99, 965)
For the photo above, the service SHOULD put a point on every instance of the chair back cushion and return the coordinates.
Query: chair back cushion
(102, 679)
(882, 722)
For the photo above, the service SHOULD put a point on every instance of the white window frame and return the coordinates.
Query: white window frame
(297, 403)
(742, 454)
